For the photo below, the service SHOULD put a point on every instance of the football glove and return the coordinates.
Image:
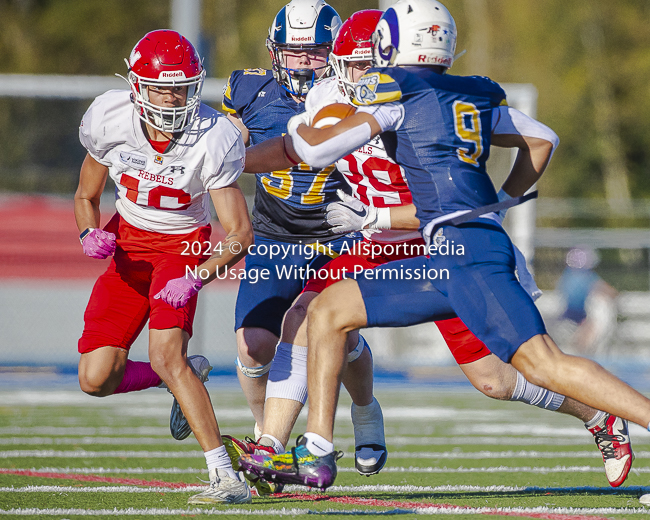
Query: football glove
(98, 244)
(304, 118)
(350, 214)
(177, 292)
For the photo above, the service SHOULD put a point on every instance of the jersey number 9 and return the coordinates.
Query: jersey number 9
(467, 124)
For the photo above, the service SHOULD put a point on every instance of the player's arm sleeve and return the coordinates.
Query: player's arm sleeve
(230, 168)
(331, 150)
(389, 116)
(510, 121)
(536, 143)
(91, 132)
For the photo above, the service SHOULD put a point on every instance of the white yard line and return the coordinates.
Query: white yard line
(497, 469)
(434, 510)
(387, 469)
(452, 455)
(161, 436)
(379, 488)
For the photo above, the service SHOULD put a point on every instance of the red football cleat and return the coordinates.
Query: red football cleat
(613, 441)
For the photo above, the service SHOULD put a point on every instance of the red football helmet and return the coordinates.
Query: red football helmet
(353, 43)
(165, 59)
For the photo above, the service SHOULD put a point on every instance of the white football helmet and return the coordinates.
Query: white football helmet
(415, 32)
(301, 25)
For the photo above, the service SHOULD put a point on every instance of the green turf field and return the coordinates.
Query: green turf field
(66, 455)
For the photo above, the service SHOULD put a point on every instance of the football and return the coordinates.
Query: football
(332, 114)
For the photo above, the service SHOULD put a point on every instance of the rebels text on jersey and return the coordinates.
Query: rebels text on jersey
(162, 192)
(288, 203)
(375, 178)
(443, 141)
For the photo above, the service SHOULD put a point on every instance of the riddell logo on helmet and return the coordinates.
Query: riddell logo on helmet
(175, 74)
(437, 60)
(302, 39)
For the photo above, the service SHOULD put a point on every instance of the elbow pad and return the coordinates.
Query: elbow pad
(330, 151)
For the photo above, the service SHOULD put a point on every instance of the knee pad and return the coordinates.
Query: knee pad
(253, 372)
(358, 350)
(288, 374)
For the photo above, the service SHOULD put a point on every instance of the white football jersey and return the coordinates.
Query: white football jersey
(375, 179)
(162, 192)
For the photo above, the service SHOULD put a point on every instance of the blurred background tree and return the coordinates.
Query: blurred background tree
(589, 62)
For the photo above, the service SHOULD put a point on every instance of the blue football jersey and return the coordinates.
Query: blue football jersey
(443, 142)
(289, 204)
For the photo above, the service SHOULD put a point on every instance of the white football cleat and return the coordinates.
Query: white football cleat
(370, 452)
(178, 425)
(223, 489)
(613, 441)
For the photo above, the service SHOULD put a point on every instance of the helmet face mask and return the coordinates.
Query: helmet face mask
(165, 60)
(353, 48)
(302, 26)
(415, 32)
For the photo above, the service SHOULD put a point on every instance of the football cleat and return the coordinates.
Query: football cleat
(370, 452)
(613, 441)
(223, 489)
(236, 448)
(369, 459)
(178, 424)
(298, 466)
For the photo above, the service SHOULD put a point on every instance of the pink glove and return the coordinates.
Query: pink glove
(99, 244)
(177, 292)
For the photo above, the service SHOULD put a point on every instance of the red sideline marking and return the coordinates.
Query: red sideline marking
(428, 505)
(372, 502)
(96, 478)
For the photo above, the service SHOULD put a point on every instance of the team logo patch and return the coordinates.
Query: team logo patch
(365, 92)
(158, 159)
(438, 238)
(134, 160)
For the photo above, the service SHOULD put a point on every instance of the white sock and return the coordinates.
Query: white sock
(288, 374)
(595, 419)
(528, 393)
(368, 424)
(268, 440)
(218, 459)
(318, 445)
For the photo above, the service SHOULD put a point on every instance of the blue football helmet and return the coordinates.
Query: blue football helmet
(301, 25)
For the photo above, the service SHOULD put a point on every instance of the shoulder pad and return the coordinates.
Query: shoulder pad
(226, 103)
(242, 87)
(492, 89)
(376, 87)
